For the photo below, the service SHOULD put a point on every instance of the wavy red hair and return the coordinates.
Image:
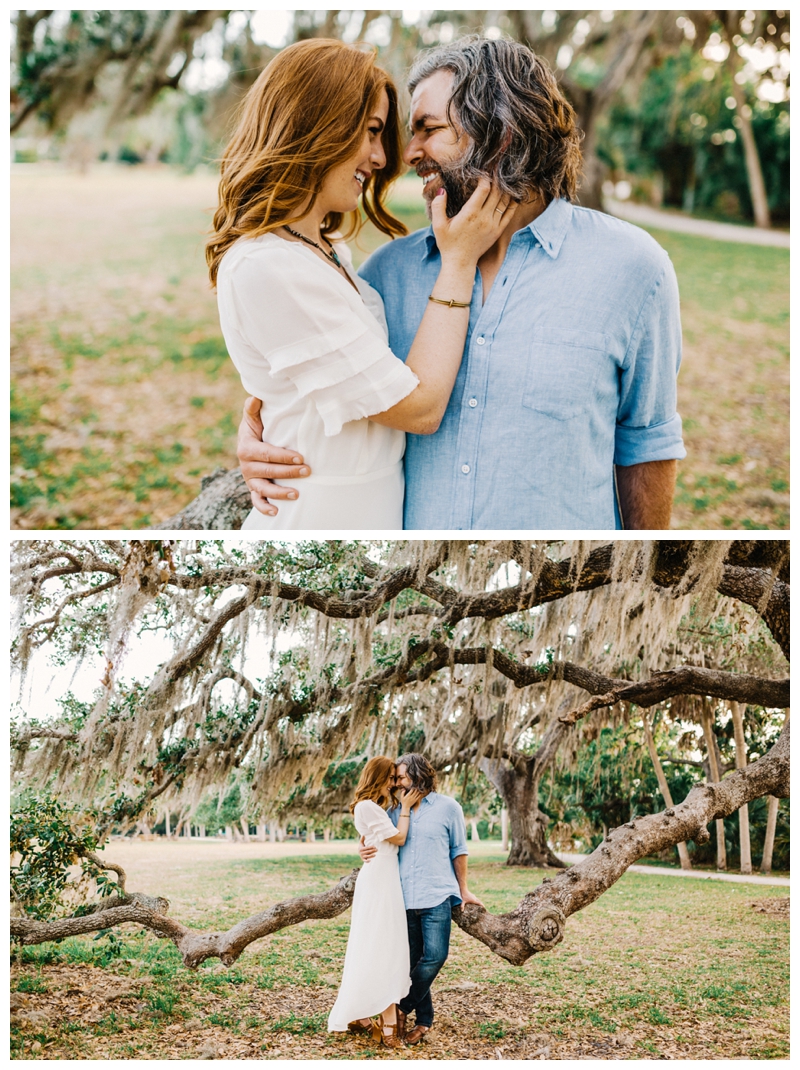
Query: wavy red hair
(372, 784)
(306, 112)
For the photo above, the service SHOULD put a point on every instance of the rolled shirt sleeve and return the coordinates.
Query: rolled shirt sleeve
(458, 832)
(648, 426)
(307, 332)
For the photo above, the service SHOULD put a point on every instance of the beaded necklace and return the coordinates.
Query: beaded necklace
(334, 259)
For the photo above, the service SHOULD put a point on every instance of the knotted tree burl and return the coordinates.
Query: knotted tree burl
(470, 645)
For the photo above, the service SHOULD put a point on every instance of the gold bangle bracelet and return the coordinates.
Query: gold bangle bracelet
(450, 304)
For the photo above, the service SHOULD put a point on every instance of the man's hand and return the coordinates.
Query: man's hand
(261, 462)
(367, 853)
(645, 494)
(460, 869)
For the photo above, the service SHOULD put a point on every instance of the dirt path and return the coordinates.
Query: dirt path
(133, 854)
(704, 228)
(698, 874)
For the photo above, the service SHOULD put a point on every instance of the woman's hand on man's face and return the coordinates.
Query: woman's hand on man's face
(410, 797)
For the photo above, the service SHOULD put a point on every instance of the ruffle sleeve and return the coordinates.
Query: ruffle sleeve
(302, 325)
(372, 821)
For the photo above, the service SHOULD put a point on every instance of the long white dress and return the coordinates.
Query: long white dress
(315, 351)
(377, 964)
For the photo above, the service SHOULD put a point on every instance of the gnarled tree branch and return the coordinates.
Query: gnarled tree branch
(535, 925)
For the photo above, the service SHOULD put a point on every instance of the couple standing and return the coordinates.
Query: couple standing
(528, 346)
(400, 925)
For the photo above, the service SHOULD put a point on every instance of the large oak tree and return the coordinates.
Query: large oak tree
(491, 653)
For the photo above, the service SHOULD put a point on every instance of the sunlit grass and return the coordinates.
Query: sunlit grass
(659, 965)
(123, 396)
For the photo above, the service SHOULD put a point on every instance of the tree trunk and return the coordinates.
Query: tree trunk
(769, 838)
(473, 824)
(243, 825)
(590, 104)
(590, 195)
(326, 835)
(713, 765)
(310, 835)
(519, 789)
(222, 505)
(273, 832)
(683, 850)
(228, 833)
(166, 824)
(201, 831)
(504, 828)
(755, 176)
(261, 833)
(745, 862)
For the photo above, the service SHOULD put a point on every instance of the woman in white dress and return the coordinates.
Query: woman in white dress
(376, 972)
(318, 130)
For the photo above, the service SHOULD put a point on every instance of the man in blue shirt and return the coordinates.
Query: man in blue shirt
(563, 413)
(433, 873)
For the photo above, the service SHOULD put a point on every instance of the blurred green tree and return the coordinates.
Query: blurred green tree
(125, 63)
(681, 125)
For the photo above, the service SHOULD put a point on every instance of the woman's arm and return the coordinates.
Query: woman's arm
(410, 798)
(402, 829)
(438, 346)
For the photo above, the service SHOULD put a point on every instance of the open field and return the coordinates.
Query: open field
(642, 973)
(123, 396)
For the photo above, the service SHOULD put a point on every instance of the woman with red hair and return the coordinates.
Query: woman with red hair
(376, 972)
(318, 131)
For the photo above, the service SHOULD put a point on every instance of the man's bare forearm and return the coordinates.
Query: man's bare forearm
(460, 867)
(645, 494)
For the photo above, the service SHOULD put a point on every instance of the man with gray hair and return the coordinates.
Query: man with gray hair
(433, 873)
(563, 414)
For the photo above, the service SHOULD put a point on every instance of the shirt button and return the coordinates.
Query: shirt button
(472, 402)
(465, 469)
(480, 341)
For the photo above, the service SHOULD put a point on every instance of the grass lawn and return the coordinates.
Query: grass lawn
(655, 968)
(124, 398)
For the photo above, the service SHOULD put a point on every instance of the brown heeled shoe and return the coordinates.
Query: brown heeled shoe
(392, 1039)
(359, 1027)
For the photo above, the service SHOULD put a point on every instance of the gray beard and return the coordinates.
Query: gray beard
(459, 184)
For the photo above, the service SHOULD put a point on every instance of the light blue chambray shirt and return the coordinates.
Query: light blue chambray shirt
(569, 368)
(436, 835)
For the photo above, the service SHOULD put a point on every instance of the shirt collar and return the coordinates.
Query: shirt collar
(549, 229)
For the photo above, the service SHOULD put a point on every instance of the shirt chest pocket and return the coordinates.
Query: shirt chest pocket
(563, 367)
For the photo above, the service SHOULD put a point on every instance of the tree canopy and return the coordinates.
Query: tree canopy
(290, 663)
(124, 63)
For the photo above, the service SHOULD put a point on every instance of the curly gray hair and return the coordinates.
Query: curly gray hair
(420, 771)
(521, 127)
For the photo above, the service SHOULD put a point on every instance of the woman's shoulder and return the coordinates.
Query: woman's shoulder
(369, 805)
(263, 254)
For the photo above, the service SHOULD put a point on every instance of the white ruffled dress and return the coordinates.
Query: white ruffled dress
(377, 963)
(315, 351)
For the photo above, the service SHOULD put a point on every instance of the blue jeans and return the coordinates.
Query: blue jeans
(429, 943)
